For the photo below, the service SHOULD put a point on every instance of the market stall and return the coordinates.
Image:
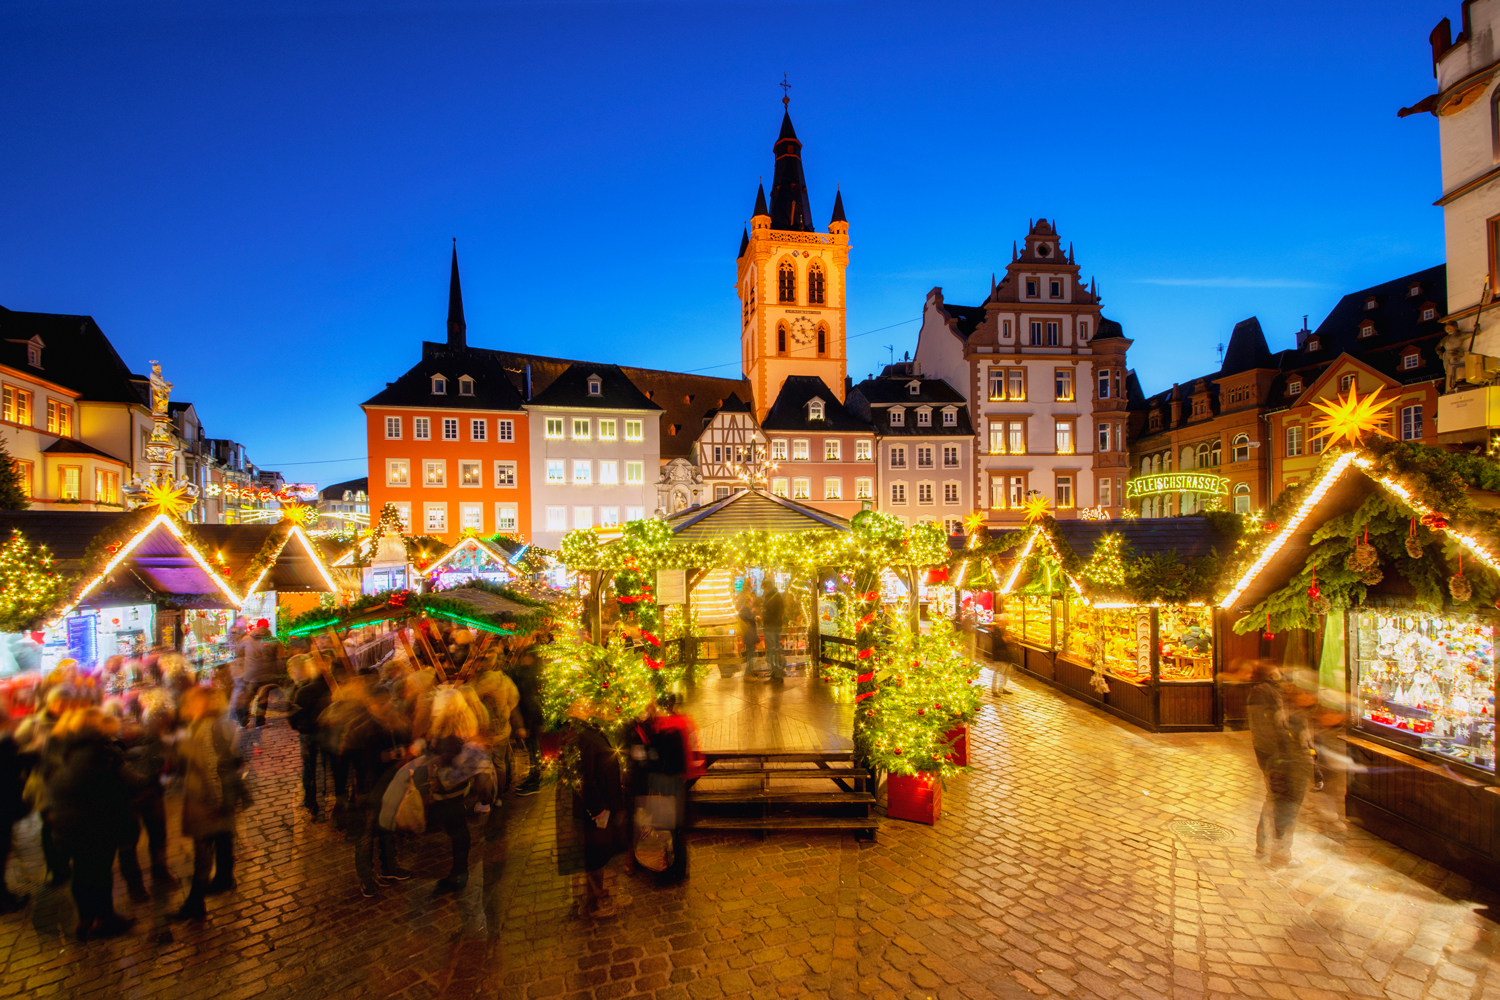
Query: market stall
(1384, 568)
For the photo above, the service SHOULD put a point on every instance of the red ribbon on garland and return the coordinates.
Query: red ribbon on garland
(865, 678)
(865, 654)
(861, 697)
(867, 619)
(871, 596)
(650, 638)
(653, 664)
(627, 599)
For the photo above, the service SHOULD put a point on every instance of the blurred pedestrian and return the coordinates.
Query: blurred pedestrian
(212, 793)
(15, 767)
(377, 742)
(262, 670)
(310, 698)
(147, 756)
(90, 792)
(773, 618)
(456, 763)
(1283, 749)
(526, 672)
(35, 737)
(598, 805)
(674, 765)
(745, 627)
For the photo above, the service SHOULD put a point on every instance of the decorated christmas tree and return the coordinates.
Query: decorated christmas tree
(29, 584)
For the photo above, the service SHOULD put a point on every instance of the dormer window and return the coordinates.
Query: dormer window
(1314, 344)
(914, 388)
(596, 385)
(1429, 312)
(924, 417)
(1370, 303)
(815, 410)
(1414, 290)
(1410, 361)
(1294, 387)
(950, 417)
(1366, 329)
(898, 417)
(465, 386)
(439, 385)
(34, 352)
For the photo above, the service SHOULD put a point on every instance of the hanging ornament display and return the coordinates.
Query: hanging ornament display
(1268, 635)
(1461, 589)
(1413, 543)
(1373, 577)
(1313, 592)
(1435, 521)
(1320, 606)
(1364, 558)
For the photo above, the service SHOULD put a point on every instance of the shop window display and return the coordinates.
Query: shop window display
(1036, 618)
(1427, 681)
(1187, 644)
(1120, 637)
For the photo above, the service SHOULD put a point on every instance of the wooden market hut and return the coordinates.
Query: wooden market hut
(1419, 679)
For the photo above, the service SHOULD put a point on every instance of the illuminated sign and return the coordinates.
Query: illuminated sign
(1176, 482)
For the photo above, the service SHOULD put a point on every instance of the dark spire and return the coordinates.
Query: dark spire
(744, 243)
(457, 328)
(789, 206)
(838, 209)
(1247, 349)
(760, 201)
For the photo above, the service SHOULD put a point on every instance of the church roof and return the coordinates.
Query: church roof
(838, 208)
(789, 205)
(457, 328)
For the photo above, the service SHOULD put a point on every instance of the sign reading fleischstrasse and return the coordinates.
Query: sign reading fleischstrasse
(1176, 482)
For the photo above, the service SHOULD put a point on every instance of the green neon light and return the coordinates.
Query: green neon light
(315, 626)
(482, 626)
(1176, 482)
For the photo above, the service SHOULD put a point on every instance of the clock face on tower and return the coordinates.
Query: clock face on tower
(802, 331)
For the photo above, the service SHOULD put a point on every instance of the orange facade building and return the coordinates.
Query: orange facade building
(448, 441)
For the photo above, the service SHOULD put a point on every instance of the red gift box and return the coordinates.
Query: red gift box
(958, 741)
(915, 797)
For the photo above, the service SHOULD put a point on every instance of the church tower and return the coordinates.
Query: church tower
(790, 280)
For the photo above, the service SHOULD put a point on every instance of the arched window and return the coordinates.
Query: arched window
(815, 285)
(1215, 453)
(787, 282)
(780, 338)
(1203, 454)
(1187, 460)
(1241, 452)
(822, 341)
(1242, 498)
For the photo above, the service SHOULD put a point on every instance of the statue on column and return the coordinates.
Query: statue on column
(1453, 350)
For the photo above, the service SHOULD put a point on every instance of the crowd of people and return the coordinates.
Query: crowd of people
(389, 749)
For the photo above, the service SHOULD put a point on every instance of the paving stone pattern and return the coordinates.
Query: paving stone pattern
(1055, 870)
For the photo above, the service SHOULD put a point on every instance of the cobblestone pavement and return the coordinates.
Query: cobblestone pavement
(1055, 870)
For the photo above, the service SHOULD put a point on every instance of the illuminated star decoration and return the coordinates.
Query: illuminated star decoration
(1038, 508)
(170, 500)
(300, 513)
(973, 521)
(1349, 418)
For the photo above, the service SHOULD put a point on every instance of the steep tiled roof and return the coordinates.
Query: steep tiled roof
(337, 490)
(789, 412)
(571, 388)
(68, 446)
(872, 399)
(1247, 349)
(76, 355)
(493, 387)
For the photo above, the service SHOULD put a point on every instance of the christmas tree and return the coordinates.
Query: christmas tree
(13, 495)
(29, 585)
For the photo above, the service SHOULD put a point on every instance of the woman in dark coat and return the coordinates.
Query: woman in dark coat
(92, 794)
(212, 792)
(598, 805)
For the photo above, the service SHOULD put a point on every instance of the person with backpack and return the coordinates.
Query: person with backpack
(310, 698)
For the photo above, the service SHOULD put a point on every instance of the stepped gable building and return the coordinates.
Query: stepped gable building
(790, 281)
(924, 453)
(1044, 374)
(1213, 424)
(825, 454)
(1386, 337)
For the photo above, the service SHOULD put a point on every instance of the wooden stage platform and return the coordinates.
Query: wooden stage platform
(796, 715)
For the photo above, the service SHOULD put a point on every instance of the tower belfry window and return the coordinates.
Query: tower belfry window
(822, 341)
(780, 338)
(787, 282)
(815, 289)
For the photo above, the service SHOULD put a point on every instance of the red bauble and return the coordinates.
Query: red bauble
(1270, 526)
(1313, 592)
(1268, 636)
(1436, 522)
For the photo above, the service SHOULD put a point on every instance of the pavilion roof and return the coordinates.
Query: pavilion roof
(751, 510)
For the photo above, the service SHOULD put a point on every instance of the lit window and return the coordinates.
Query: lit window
(800, 488)
(1410, 361)
(437, 518)
(397, 472)
(833, 489)
(924, 456)
(554, 427)
(465, 388)
(635, 473)
(70, 482)
(609, 472)
(898, 456)
(506, 517)
(779, 487)
(1104, 437)
(580, 429)
(557, 519)
(450, 428)
(606, 430)
(1064, 437)
(471, 516)
(1293, 441)
(421, 428)
(596, 387)
(950, 456)
(478, 429)
(1242, 498)
(1294, 387)
(469, 474)
(106, 486)
(556, 470)
(1240, 448)
(950, 492)
(583, 470)
(997, 492)
(1103, 488)
(924, 418)
(583, 517)
(815, 410)
(1411, 423)
(864, 489)
(436, 473)
(799, 451)
(997, 384)
(1064, 380)
(505, 474)
(403, 514)
(950, 417)
(633, 430)
(864, 449)
(898, 493)
(778, 451)
(505, 430)
(924, 493)
(1017, 435)
(1064, 492)
(16, 406)
(439, 385)
(609, 517)
(1017, 379)
(393, 428)
(832, 449)
(635, 513)
(60, 419)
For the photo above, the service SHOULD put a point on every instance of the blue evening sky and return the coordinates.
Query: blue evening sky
(261, 195)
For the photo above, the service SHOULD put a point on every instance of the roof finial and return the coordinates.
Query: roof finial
(785, 99)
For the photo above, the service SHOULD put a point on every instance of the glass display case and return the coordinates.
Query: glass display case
(1036, 613)
(1116, 638)
(1427, 681)
(1187, 644)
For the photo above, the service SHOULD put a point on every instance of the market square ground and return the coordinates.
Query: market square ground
(1055, 870)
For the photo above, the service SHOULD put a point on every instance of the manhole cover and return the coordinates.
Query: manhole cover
(1200, 831)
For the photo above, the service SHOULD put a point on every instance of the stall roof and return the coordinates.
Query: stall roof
(490, 549)
(751, 510)
(1346, 485)
(1189, 537)
(486, 602)
(296, 568)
